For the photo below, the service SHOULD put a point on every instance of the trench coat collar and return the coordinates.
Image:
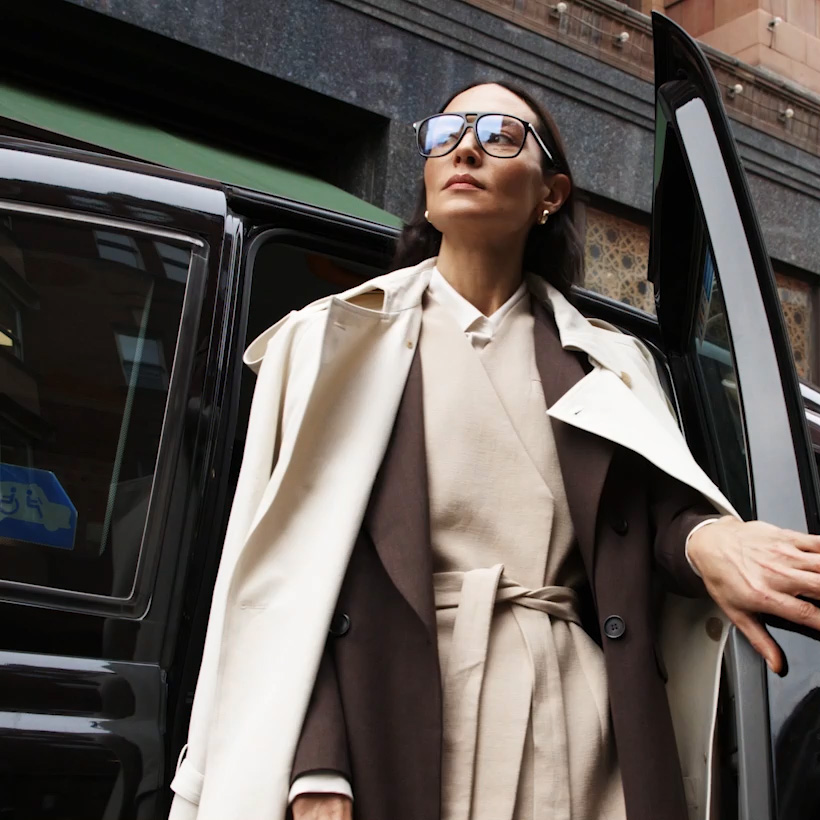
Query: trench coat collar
(404, 289)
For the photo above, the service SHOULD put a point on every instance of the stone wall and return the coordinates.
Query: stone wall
(400, 60)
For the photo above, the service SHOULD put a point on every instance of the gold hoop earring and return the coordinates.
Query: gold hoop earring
(544, 217)
(427, 215)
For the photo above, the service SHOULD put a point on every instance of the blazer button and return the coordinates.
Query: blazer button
(619, 525)
(340, 625)
(614, 627)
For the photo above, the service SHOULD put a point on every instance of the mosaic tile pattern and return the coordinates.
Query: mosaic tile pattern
(616, 259)
(795, 298)
(616, 256)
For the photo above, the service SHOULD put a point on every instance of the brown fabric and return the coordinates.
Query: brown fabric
(323, 743)
(387, 662)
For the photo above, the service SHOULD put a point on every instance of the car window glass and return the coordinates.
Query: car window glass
(715, 368)
(89, 317)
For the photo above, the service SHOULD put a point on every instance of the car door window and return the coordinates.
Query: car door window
(89, 317)
(714, 365)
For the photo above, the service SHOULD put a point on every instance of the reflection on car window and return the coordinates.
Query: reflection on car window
(88, 329)
(714, 362)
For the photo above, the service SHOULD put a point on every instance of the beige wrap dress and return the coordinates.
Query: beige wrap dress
(527, 732)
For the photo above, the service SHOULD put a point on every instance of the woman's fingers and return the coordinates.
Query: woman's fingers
(803, 582)
(760, 640)
(793, 609)
(804, 542)
(805, 560)
(759, 568)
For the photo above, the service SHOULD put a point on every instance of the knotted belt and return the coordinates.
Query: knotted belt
(475, 595)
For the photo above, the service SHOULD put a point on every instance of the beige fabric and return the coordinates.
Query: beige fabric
(526, 719)
(330, 379)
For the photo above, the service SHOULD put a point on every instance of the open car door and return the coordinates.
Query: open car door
(725, 338)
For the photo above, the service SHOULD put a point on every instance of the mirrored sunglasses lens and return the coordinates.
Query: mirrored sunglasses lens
(438, 135)
(500, 136)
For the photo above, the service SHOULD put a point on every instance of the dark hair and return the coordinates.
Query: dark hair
(553, 251)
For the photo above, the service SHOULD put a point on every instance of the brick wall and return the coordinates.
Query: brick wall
(747, 29)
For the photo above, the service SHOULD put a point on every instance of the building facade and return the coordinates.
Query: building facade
(331, 87)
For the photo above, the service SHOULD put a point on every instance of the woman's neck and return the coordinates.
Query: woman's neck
(485, 276)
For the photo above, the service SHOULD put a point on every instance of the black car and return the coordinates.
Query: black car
(128, 294)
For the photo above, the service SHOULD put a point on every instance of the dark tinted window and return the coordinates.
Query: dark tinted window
(715, 366)
(84, 376)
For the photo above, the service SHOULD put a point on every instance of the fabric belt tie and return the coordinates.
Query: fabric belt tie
(475, 595)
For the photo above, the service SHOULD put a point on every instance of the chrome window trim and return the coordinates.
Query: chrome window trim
(110, 222)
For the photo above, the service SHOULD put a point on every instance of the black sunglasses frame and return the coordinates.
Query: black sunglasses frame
(529, 128)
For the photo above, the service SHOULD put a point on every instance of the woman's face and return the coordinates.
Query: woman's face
(505, 195)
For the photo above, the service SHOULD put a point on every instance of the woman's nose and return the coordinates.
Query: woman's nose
(468, 149)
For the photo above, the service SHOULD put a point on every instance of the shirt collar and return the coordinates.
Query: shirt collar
(468, 316)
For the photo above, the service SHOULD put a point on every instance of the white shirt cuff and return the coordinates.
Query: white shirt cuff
(691, 533)
(320, 783)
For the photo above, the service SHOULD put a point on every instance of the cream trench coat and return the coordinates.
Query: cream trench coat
(330, 379)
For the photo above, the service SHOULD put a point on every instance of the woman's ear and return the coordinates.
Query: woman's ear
(557, 190)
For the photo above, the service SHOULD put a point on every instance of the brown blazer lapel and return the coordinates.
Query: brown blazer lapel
(398, 516)
(584, 458)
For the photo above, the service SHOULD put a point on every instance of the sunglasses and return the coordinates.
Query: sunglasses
(499, 135)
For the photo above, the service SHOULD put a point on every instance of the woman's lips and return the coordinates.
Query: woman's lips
(463, 182)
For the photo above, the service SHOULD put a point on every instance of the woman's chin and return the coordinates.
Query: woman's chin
(462, 213)
(469, 221)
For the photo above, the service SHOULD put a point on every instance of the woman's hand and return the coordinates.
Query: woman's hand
(322, 807)
(753, 567)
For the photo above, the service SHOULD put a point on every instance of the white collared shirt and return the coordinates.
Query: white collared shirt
(479, 328)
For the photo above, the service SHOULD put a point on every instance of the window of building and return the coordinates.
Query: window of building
(119, 247)
(174, 260)
(10, 338)
(143, 363)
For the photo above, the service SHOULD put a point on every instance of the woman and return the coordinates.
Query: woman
(425, 507)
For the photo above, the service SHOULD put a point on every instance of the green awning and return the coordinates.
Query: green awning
(163, 148)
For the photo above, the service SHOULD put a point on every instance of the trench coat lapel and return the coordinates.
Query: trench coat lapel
(398, 517)
(584, 458)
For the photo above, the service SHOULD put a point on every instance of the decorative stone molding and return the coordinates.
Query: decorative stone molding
(616, 34)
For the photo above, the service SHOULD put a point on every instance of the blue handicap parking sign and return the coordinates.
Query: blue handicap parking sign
(34, 507)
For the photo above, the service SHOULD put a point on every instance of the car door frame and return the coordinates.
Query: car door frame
(45, 180)
(695, 147)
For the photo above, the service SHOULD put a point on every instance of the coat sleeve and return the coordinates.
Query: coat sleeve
(675, 509)
(322, 744)
(268, 357)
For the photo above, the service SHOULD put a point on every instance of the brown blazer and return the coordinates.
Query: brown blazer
(375, 712)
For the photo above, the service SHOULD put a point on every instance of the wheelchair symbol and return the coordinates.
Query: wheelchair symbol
(28, 502)
(9, 505)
